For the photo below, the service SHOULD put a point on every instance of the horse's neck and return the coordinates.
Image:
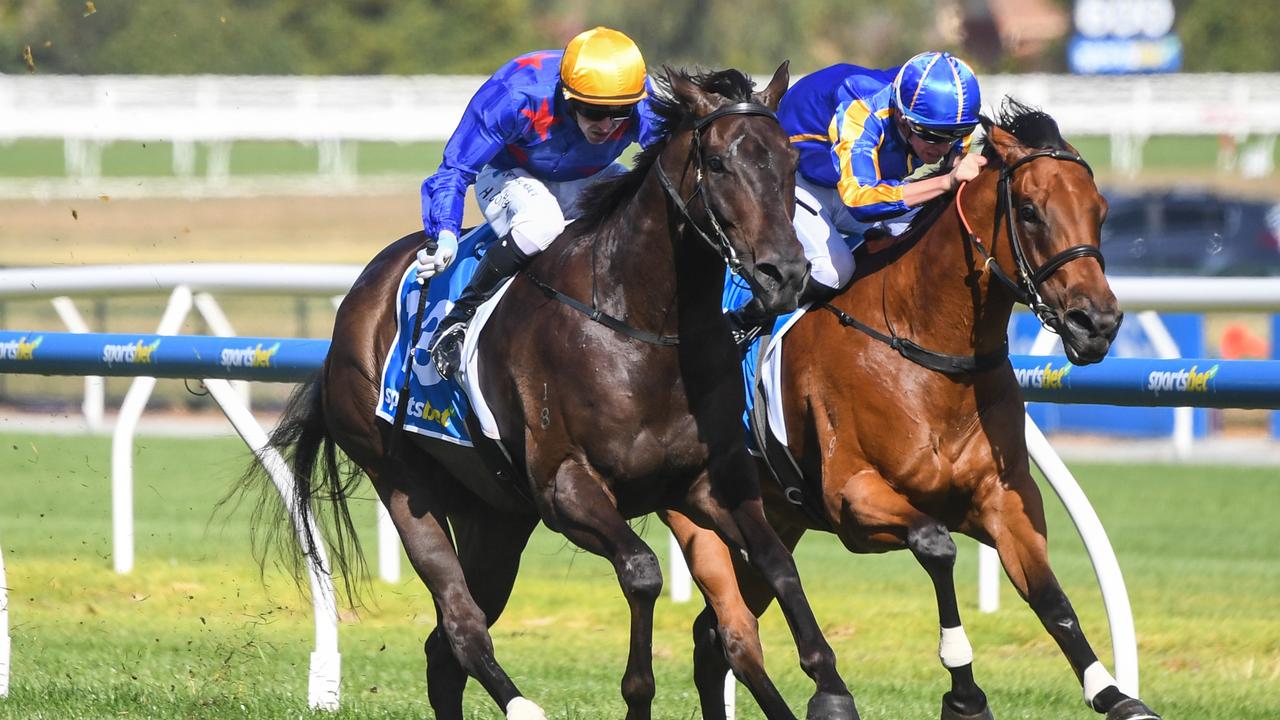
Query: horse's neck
(649, 269)
(943, 295)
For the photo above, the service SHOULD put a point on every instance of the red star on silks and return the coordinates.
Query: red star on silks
(589, 171)
(542, 120)
(519, 154)
(534, 60)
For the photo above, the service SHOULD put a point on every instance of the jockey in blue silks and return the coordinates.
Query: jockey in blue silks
(541, 129)
(861, 133)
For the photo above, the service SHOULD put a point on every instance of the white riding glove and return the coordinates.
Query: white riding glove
(429, 264)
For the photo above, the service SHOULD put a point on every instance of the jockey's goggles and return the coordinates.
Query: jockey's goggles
(935, 136)
(596, 113)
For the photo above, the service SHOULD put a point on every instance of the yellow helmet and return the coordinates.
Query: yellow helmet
(603, 67)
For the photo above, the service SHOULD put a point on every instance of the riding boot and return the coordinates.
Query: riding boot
(502, 261)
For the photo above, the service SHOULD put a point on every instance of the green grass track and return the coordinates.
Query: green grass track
(195, 632)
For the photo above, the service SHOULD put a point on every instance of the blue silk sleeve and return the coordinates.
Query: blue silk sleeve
(488, 123)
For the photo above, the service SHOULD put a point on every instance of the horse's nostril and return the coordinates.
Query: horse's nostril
(1083, 321)
(770, 271)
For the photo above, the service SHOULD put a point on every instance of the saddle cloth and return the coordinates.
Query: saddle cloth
(437, 407)
(758, 366)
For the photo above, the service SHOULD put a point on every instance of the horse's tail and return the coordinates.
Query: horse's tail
(322, 484)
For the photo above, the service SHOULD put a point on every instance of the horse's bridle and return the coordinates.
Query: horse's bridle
(720, 242)
(1026, 289)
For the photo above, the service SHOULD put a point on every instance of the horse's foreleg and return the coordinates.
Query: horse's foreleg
(726, 634)
(585, 513)
(742, 524)
(878, 516)
(1014, 519)
(462, 625)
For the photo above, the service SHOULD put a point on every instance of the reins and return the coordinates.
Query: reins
(1026, 289)
(720, 244)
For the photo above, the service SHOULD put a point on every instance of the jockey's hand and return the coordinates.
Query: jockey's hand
(429, 264)
(967, 169)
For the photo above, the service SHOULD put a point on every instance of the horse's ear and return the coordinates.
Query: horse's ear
(777, 86)
(688, 94)
(1006, 145)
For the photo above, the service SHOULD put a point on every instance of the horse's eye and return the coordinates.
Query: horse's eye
(1028, 213)
(715, 164)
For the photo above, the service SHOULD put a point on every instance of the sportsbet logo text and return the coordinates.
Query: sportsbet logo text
(1181, 380)
(132, 354)
(20, 349)
(1042, 377)
(418, 408)
(256, 356)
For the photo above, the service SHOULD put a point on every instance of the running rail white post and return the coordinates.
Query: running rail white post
(730, 695)
(212, 313)
(1115, 597)
(4, 630)
(388, 547)
(681, 580)
(326, 663)
(988, 579)
(94, 385)
(135, 401)
(1166, 347)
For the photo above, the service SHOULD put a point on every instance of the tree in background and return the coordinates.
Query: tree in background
(345, 37)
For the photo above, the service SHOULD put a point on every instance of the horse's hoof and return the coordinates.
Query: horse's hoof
(1131, 709)
(950, 713)
(826, 706)
(523, 709)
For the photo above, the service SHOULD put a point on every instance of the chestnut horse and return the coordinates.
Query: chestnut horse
(612, 375)
(904, 418)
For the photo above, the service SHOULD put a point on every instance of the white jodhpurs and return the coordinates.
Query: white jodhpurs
(830, 234)
(533, 212)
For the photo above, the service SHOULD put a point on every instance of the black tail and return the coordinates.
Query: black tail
(304, 442)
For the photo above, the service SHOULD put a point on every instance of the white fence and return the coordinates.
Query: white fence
(88, 111)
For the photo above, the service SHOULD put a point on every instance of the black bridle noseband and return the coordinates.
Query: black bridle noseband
(1026, 289)
(720, 243)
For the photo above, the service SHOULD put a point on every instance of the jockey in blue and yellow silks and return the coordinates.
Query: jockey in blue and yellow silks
(861, 132)
(536, 133)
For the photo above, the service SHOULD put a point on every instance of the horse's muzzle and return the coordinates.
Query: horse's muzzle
(779, 284)
(1087, 332)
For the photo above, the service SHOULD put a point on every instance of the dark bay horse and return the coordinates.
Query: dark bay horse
(605, 417)
(899, 447)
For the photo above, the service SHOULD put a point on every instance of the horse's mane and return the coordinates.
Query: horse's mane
(1032, 127)
(600, 200)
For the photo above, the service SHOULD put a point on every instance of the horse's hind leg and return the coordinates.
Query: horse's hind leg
(1013, 517)
(726, 633)
(418, 513)
(489, 548)
(584, 512)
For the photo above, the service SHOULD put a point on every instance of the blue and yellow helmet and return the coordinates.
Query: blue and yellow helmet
(939, 91)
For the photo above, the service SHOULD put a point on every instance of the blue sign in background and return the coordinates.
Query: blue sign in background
(1187, 331)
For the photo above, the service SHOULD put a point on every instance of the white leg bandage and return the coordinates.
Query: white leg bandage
(524, 709)
(1095, 680)
(954, 648)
